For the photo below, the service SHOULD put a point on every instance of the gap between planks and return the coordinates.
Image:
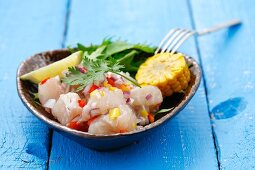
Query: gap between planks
(204, 81)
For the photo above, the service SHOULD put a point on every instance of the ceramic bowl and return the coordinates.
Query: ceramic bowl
(100, 142)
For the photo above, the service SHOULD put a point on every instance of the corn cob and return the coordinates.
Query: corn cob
(169, 72)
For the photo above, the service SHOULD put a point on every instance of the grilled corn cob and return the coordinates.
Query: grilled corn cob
(169, 72)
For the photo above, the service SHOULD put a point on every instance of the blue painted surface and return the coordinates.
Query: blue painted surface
(228, 61)
(186, 141)
(25, 28)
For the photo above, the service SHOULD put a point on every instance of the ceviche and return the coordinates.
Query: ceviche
(94, 89)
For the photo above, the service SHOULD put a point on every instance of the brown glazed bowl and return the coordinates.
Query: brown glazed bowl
(100, 142)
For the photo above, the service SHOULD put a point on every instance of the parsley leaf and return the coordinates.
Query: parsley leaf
(96, 71)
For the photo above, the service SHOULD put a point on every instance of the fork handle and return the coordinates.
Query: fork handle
(227, 24)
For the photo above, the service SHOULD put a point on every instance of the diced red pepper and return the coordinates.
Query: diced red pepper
(151, 117)
(82, 103)
(44, 80)
(111, 82)
(78, 126)
(123, 131)
(92, 119)
(94, 87)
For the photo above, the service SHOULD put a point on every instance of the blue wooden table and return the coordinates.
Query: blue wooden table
(215, 131)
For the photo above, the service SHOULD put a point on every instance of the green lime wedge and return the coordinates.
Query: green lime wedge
(53, 69)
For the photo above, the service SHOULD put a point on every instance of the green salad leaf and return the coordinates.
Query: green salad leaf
(127, 54)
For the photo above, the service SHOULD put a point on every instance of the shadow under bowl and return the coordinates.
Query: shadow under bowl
(99, 142)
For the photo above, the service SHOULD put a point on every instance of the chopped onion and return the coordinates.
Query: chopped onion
(148, 97)
(126, 94)
(130, 100)
(82, 69)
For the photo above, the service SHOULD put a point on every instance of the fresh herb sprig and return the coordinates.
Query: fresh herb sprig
(95, 72)
(109, 56)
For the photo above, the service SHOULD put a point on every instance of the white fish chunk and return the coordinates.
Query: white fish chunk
(51, 89)
(67, 108)
(101, 101)
(125, 122)
(146, 96)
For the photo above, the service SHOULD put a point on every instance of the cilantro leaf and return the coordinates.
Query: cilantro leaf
(96, 71)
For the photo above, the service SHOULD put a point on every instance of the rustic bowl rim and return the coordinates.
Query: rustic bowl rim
(58, 126)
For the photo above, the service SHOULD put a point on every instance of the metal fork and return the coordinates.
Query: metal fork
(177, 36)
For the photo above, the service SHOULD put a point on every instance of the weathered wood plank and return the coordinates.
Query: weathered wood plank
(25, 28)
(228, 60)
(185, 142)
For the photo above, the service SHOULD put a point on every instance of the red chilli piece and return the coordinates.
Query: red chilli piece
(82, 103)
(94, 87)
(123, 131)
(44, 80)
(78, 126)
(111, 82)
(151, 117)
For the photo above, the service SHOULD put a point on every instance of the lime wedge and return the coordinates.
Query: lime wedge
(53, 69)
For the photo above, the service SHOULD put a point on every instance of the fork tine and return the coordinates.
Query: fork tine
(171, 39)
(176, 40)
(182, 41)
(171, 31)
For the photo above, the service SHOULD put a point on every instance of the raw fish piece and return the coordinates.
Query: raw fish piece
(51, 89)
(67, 108)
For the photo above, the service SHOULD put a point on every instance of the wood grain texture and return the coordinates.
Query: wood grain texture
(25, 28)
(186, 141)
(228, 60)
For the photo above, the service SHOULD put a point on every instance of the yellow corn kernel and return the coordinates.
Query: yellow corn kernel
(144, 113)
(112, 88)
(114, 113)
(106, 84)
(93, 92)
(97, 92)
(134, 125)
(169, 72)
